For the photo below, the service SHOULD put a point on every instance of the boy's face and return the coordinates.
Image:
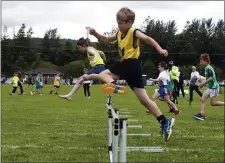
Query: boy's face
(81, 48)
(160, 68)
(124, 25)
(202, 62)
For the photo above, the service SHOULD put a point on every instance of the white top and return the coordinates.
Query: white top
(163, 78)
(87, 81)
(195, 77)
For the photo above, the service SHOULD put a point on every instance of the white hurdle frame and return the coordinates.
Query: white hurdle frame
(117, 126)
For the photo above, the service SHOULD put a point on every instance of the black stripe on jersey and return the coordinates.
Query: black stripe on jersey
(135, 38)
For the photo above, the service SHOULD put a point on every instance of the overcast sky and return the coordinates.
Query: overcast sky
(71, 17)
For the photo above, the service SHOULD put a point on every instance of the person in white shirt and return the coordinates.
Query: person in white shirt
(86, 85)
(163, 91)
(193, 84)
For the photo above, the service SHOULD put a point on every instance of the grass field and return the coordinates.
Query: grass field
(48, 129)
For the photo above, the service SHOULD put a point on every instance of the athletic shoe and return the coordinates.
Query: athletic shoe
(199, 116)
(167, 128)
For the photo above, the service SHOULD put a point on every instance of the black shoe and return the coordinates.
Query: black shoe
(56, 93)
(199, 116)
(50, 92)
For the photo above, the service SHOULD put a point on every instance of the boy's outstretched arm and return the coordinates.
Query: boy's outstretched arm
(102, 37)
(151, 42)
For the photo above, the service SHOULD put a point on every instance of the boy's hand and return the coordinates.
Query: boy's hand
(92, 31)
(164, 52)
(92, 63)
(201, 85)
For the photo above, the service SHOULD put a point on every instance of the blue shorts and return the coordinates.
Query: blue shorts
(97, 69)
(164, 90)
(38, 87)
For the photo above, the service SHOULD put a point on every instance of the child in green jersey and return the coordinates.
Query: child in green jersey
(212, 87)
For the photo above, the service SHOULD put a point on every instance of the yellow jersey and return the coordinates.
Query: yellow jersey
(57, 80)
(174, 73)
(128, 45)
(15, 81)
(99, 60)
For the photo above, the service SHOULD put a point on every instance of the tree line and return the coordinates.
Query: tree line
(25, 52)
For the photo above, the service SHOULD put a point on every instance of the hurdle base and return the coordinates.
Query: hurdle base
(110, 156)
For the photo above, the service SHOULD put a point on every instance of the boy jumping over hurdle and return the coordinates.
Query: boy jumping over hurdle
(129, 67)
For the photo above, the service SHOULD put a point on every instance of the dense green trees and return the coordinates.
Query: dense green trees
(198, 36)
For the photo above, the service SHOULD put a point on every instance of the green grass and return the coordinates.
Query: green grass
(48, 129)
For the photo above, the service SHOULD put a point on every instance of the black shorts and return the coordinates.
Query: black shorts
(56, 86)
(129, 70)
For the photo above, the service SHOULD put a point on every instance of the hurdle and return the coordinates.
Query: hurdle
(113, 133)
(117, 128)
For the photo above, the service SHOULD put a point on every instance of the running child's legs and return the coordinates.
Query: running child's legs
(106, 76)
(203, 99)
(14, 90)
(92, 74)
(213, 102)
(52, 89)
(169, 102)
(155, 96)
(80, 80)
(144, 100)
(166, 98)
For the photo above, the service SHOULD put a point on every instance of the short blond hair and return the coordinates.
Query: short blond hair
(125, 14)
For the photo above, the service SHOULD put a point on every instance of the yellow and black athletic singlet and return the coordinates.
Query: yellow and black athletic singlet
(99, 60)
(128, 45)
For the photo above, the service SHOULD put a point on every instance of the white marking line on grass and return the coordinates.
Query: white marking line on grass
(145, 149)
(132, 120)
(100, 134)
(194, 149)
(126, 115)
(139, 134)
(134, 126)
(124, 112)
(54, 147)
(200, 136)
(55, 133)
(105, 148)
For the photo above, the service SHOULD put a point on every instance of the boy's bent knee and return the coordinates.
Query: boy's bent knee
(202, 99)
